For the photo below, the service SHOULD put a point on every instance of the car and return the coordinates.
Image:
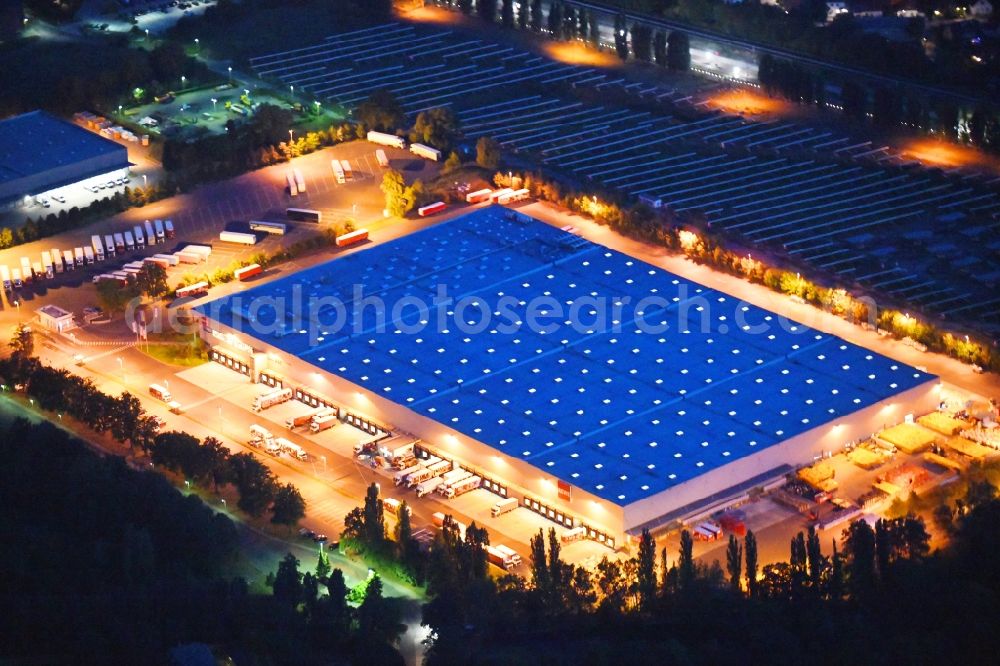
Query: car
(320, 538)
(306, 533)
(110, 184)
(159, 421)
(45, 203)
(59, 198)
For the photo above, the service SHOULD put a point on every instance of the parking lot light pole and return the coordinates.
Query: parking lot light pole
(197, 45)
(230, 76)
(290, 134)
(214, 102)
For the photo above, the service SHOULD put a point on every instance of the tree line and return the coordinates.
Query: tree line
(102, 559)
(877, 587)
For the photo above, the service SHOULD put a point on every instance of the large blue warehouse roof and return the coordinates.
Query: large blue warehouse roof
(623, 412)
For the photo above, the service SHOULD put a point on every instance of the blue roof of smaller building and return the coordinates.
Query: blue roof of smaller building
(603, 371)
(35, 142)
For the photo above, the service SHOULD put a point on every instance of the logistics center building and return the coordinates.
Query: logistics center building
(40, 153)
(600, 390)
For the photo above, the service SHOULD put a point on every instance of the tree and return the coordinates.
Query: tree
(487, 153)
(750, 550)
(859, 555)
(378, 621)
(152, 280)
(381, 112)
(254, 481)
(685, 562)
(554, 20)
(536, 15)
(374, 512)
(338, 610)
(734, 563)
(289, 507)
(621, 37)
(814, 558)
(678, 52)
(399, 198)
(453, 163)
(487, 10)
(23, 342)
(287, 585)
(646, 571)
(506, 13)
(641, 37)
(112, 297)
(322, 566)
(540, 576)
(660, 48)
(404, 534)
(435, 127)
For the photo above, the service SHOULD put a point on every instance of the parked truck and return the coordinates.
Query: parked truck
(8, 285)
(140, 240)
(69, 260)
(15, 276)
(428, 486)
(439, 519)
(50, 271)
(293, 191)
(459, 488)
(57, 260)
(97, 247)
(394, 506)
(109, 246)
(399, 478)
(260, 436)
(291, 448)
(502, 556)
(88, 255)
(25, 269)
(504, 506)
(323, 423)
(293, 422)
(384, 139)
(428, 472)
(271, 398)
(169, 258)
(161, 235)
(455, 474)
(150, 234)
(381, 158)
(120, 245)
(338, 172)
(300, 181)
(129, 241)
(348, 172)
(168, 228)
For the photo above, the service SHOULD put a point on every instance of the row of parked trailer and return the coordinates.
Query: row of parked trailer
(100, 249)
(190, 254)
(261, 438)
(437, 475)
(418, 149)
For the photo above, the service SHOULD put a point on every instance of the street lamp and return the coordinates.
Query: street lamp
(147, 33)
(290, 133)
(214, 101)
(230, 75)
(197, 45)
(144, 180)
(183, 79)
(291, 89)
(119, 109)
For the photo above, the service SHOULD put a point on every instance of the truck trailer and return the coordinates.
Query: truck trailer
(420, 150)
(271, 398)
(109, 246)
(57, 261)
(238, 237)
(139, 238)
(129, 241)
(323, 423)
(150, 234)
(428, 486)
(459, 488)
(97, 247)
(384, 139)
